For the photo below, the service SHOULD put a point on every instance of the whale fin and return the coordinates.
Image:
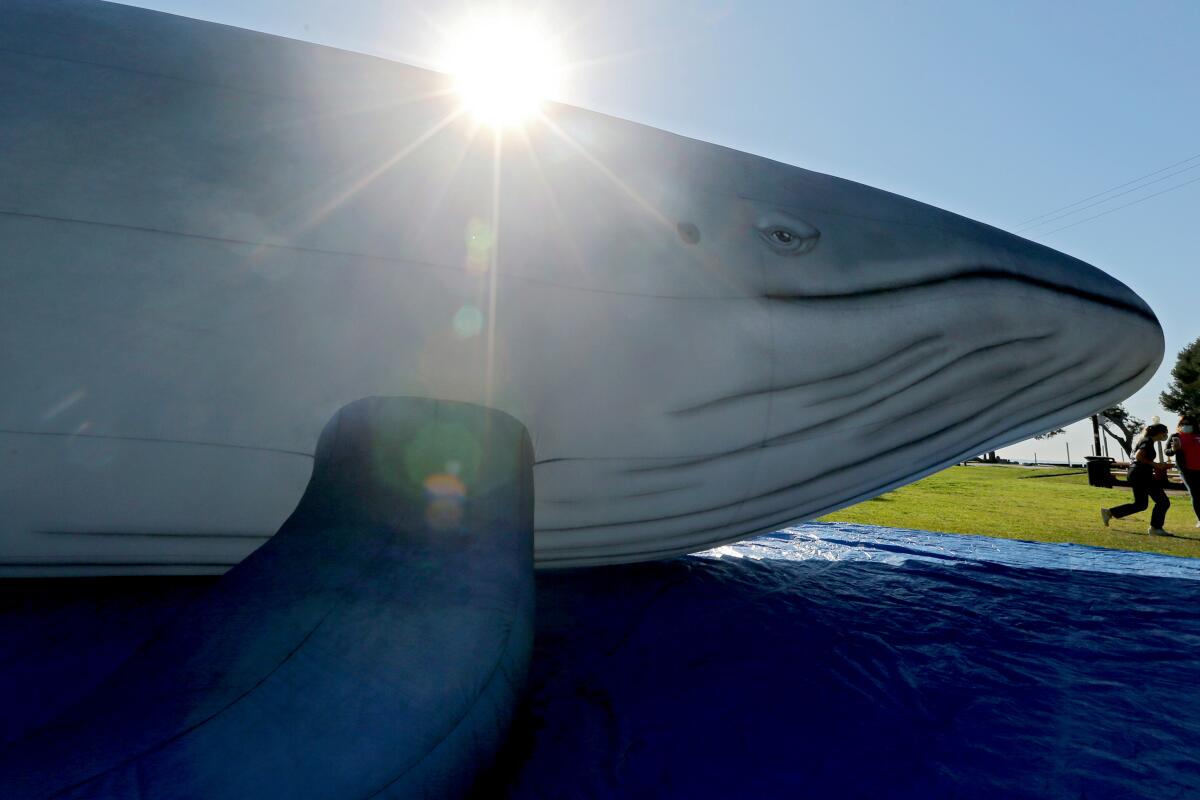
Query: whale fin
(374, 647)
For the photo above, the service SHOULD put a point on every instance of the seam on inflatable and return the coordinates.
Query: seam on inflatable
(152, 74)
(155, 440)
(428, 265)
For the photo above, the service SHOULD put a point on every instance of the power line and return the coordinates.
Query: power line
(1026, 222)
(1057, 217)
(1123, 205)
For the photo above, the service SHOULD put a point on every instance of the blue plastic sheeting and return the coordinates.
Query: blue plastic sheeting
(846, 542)
(835, 661)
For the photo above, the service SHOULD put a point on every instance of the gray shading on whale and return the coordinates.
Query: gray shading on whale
(211, 239)
(375, 647)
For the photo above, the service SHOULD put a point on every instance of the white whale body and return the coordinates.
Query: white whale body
(212, 239)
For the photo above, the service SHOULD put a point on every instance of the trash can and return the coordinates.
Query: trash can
(1099, 471)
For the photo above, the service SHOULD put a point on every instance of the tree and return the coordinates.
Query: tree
(1051, 434)
(1183, 394)
(1121, 425)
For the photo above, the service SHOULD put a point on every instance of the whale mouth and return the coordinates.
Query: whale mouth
(905, 356)
(977, 273)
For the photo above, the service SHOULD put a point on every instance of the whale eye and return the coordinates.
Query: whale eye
(787, 235)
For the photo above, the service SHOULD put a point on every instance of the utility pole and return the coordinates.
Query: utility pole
(1096, 432)
(1068, 455)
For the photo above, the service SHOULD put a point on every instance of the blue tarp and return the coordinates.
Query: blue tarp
(835, 660)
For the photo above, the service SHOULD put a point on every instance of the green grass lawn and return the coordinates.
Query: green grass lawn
(1043, 505)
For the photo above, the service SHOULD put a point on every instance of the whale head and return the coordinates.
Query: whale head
(787, 343)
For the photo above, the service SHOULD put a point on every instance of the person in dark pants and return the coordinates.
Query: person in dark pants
(1185, 446)
(1145, 483)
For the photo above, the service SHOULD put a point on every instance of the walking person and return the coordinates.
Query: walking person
(1184, 444)
(1144, 482)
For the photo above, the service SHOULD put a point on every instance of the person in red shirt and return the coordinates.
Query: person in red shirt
(1184, 444)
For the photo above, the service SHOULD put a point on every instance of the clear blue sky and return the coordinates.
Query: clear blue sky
(996, 110)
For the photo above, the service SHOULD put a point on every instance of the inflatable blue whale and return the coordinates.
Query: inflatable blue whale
(213, 239)
(286, 311)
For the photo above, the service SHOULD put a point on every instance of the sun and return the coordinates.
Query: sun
(505, 66)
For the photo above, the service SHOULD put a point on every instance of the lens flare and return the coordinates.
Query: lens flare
(445, 496)
(480, 240)
(467, 322)
(505, 66)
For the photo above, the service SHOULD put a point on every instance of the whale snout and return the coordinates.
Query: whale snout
(1107, 339)
(1058, 272)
